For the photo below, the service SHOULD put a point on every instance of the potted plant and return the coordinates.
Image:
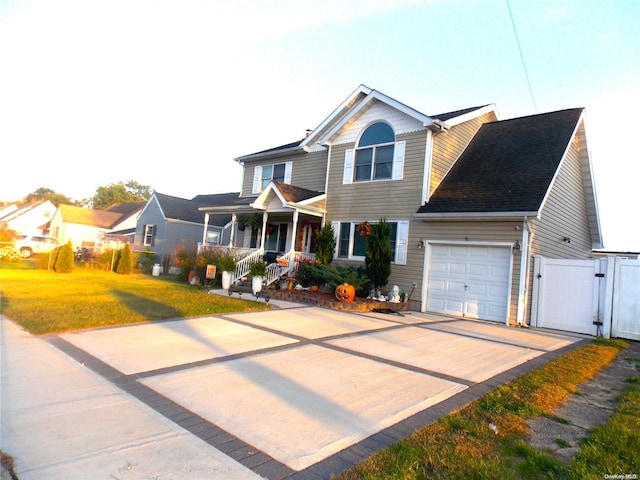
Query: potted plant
(258, 271)
(226, 264)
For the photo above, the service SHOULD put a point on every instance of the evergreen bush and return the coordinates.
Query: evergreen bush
(125, 261)
(378, 255)
(64, 259)
(325, 245)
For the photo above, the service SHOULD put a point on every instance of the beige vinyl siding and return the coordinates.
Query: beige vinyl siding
(564, 214)
(448, 145)
(391, 199)
(502, 232)
(308, 170)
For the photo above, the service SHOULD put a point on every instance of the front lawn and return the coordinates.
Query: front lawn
(46, 302)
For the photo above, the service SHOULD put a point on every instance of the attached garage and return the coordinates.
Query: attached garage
(470, 281)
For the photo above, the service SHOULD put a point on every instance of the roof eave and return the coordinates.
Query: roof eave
(460, 216)
(270, 154)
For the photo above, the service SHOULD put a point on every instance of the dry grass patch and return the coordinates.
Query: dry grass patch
(486, 439)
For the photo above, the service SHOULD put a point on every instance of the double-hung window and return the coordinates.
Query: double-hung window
(350, 244)
(377, 156)
(263, 174)
(149, 234)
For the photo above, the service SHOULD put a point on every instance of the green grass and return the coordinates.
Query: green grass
(465, 444)
(47, 302)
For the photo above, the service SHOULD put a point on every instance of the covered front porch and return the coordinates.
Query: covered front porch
(279, 226)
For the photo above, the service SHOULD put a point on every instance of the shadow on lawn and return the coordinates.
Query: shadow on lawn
(149, 309)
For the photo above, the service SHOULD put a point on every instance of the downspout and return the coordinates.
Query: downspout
(525, 256)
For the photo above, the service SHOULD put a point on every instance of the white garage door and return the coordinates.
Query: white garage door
(469, 281)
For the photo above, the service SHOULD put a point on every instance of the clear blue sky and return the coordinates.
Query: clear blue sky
(167, 93)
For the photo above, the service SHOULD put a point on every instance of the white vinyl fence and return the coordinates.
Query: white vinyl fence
(593, 297)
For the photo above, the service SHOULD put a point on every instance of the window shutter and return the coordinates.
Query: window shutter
(402, 240)
(287, 172)
(398, 161)
(336, 235)
(257, 179)
(347, 176)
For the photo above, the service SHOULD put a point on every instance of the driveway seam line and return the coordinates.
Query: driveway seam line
(176, 413)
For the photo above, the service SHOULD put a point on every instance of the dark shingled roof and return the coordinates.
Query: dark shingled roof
(292, 193)
(217, 199)
(187, 210)
(507, 167)
(449, 115)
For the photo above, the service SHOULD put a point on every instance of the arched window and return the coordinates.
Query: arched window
(374, 153)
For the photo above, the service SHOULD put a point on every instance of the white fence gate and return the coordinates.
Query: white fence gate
(626, 299)
(593, 297)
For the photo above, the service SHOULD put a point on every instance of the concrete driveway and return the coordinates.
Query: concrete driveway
(296, 392)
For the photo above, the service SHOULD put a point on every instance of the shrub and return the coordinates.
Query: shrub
(9, 254)
(125, 261)
(226, 263)
(325, 245)
(308, 274)
(64, 259)
(379, 254)
(145, 260)
(339, 274)
(258, 269)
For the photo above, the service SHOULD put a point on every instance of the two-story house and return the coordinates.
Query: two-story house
(470, 198)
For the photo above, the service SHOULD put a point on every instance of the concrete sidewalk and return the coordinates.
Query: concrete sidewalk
(62, 421)
(298, 392)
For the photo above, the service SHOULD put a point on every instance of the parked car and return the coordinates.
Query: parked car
(27, 245)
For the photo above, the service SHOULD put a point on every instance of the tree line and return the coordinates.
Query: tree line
(105, 196)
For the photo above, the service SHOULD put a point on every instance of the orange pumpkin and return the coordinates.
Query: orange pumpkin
(345, 292)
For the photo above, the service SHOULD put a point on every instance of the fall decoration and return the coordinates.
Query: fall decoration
(345, 292)
(364, 229)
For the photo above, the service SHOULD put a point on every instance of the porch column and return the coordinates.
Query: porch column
(295, 229)
(206, 227)
(234, 221)
(265, 217)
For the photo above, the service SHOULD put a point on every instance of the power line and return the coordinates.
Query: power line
(524, 65)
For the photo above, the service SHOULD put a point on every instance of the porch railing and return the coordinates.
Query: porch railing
(286, 264)
(244, 264)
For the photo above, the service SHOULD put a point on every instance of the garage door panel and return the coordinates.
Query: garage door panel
(471, 281)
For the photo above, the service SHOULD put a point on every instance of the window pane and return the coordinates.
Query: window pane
(267, 170)
(364, 159)
(343, 243)
(377, 133)
(384, 162)
(359, 244)
(278, 172)
(393, 237)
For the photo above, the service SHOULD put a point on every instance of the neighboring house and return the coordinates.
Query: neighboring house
(471, 199)
(33, 218)
(167, 222)
(125, 229)
(85, 227)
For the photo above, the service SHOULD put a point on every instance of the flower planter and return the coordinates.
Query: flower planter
(226, 280)
(256, 284)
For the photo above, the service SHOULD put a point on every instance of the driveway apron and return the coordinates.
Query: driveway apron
(295, 392)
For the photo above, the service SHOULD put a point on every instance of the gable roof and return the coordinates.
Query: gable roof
(291, 196)
(359, 99)
(87, 216)
(508, 167)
